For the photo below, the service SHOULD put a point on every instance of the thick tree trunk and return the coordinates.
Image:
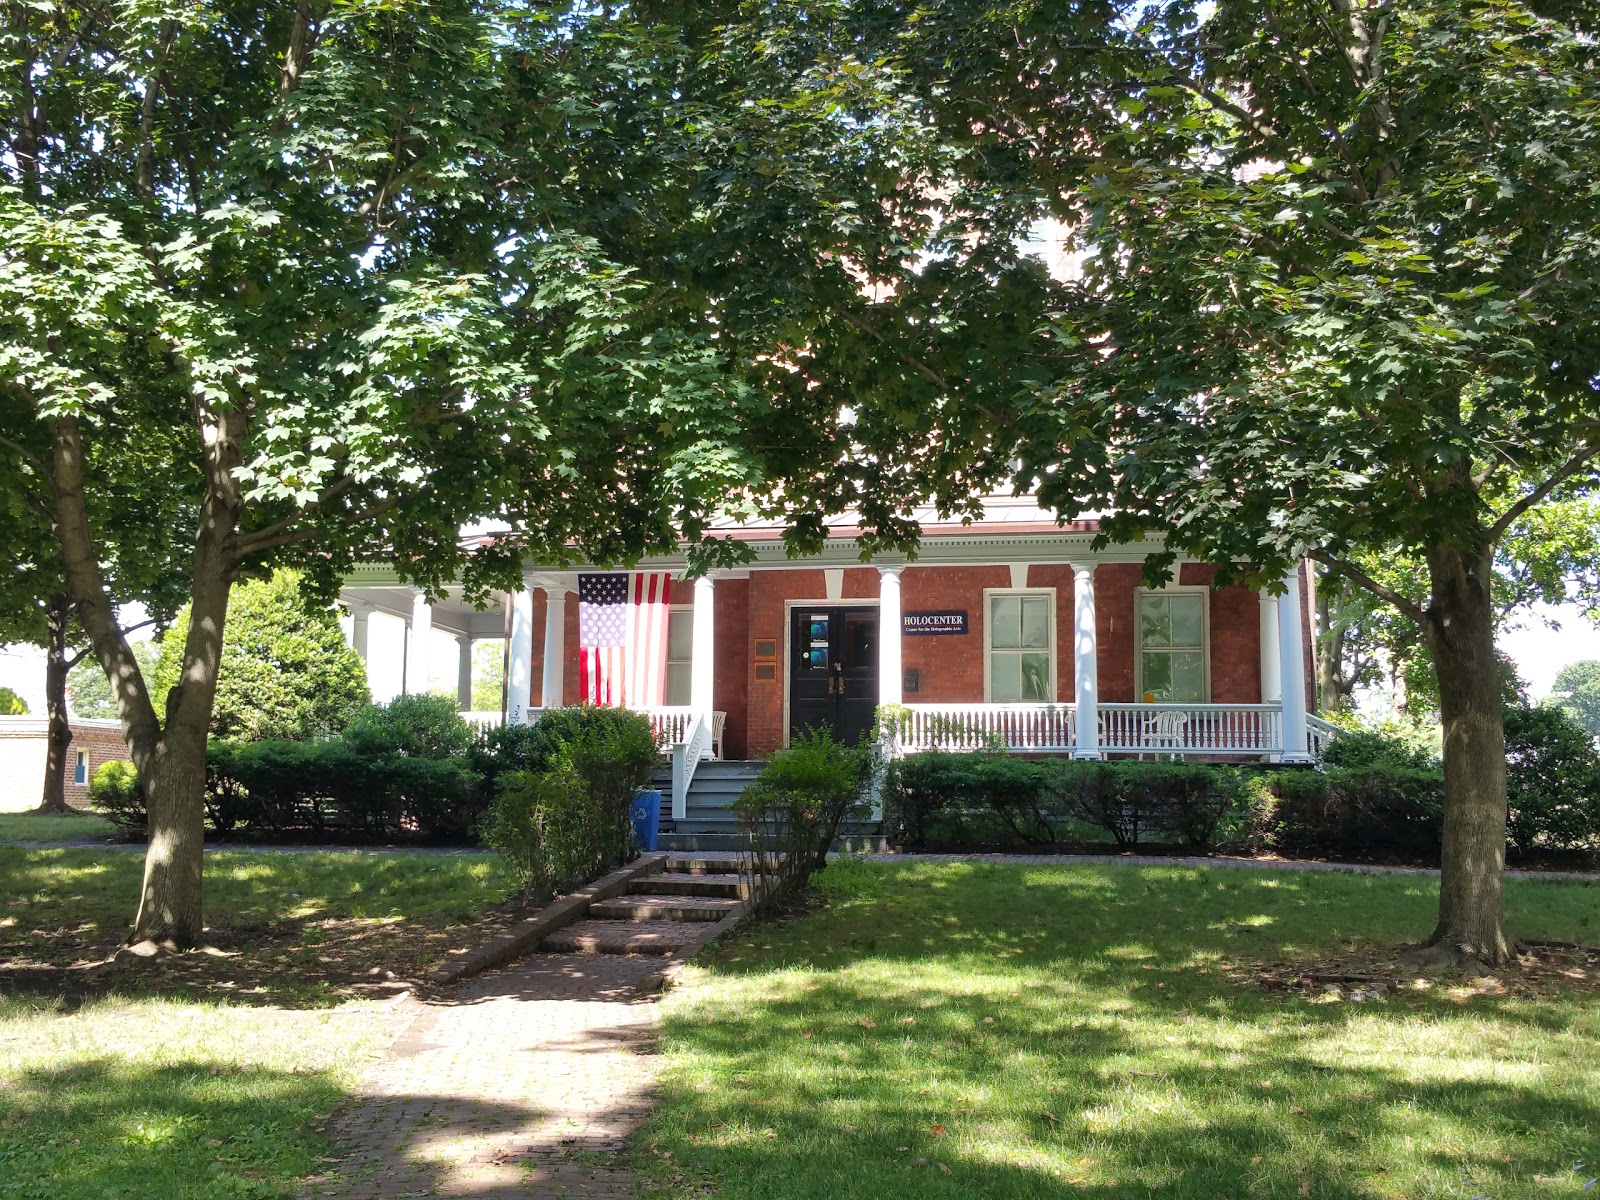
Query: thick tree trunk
(169, 755)
(171, 898)
(1460, 632)
(59, 738)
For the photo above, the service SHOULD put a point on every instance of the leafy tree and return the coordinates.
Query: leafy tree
(319, 276)
(89, 691)
(286, 671)
(1329, 279)
(1331, 293)
(11, 704)
(488, 676)
(1577, 692)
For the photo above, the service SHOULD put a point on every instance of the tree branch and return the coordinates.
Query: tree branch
(1567, 470)
(242, 545)
(256, 543)
(1362, 580)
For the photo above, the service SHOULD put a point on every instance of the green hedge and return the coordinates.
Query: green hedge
(1387, 801)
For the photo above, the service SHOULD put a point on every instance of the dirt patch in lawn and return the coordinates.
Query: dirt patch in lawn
(309, 963)
(1539, 969)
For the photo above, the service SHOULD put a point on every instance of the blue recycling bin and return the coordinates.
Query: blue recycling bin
(646, 817)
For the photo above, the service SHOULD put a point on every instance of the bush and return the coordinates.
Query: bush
(792, 813)
(115, 792)
(1390, 744)
(939, 793)
(1552, 780)
(413, 726)
(1356, 813)
(563, 819)
(1185, 802)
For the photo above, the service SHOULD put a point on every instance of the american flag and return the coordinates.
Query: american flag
(622, 638)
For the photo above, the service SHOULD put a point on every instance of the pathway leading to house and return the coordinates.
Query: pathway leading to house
(526, 1083)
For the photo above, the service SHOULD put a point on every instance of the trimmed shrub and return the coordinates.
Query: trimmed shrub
(1184, 802)
(115, 792)
(564, 819)
(1552, 780)
(792, 813)
(414, 726)
(1370, 813)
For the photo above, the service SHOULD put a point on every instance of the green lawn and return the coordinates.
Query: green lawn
(970, 1030)
(203, 1075)
(66, 827)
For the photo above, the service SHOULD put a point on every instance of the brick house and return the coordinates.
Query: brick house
(23, 746)
(1009, 630)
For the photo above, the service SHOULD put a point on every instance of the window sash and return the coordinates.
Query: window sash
(1020, 655)
(1173, 651)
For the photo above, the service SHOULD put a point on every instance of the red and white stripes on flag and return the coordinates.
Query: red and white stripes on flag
(622, 638)
(645, 650)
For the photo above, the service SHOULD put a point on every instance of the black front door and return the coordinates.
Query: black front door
(833, 670)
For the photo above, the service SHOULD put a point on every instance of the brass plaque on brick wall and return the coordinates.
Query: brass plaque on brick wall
(766, 672)
(766, 648)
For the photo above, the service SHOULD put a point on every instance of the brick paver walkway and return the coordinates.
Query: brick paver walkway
(513, 1087)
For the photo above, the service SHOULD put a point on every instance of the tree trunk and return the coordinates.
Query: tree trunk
(171, 897)
(1460, 632)
(59, 738)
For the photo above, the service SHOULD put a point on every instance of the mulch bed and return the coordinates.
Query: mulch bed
(1539, 967)
(284, 964)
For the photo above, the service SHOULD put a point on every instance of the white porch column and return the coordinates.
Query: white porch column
(519, 671)
(464, 672)
(553, 693)
(1085, 663)
(360, 622)
(419, 633)
(890, 676)
(703, 661)
(1271, 685)
(1292, 670)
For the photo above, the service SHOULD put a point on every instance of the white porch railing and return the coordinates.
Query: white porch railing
(1041, 728)
(484, 719)
(1191, 728)
(1318, 734)
(686, 757)
(1188, 729)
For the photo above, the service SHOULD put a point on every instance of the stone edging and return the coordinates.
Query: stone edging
(526, 935)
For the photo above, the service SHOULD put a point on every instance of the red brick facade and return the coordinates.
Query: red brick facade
(948, 669)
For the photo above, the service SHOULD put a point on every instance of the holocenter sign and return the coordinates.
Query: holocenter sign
(930, 623)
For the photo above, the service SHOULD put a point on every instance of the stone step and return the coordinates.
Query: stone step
(707, 884)
(688, 865)
(620, 937)
(663, 908)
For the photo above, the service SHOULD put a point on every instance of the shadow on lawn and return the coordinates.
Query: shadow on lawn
(1057, 1032)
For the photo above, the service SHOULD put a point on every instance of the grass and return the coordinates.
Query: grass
(961, 1029)
(52, 827)
(203, 1075)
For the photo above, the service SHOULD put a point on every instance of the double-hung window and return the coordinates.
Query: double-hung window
(1020, 655)
(680, 652)
(1172, 647)
(80, 769)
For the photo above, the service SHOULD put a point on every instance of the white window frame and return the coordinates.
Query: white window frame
(1049, 595)
(1139, 593)
(80, 768)
(672, 610)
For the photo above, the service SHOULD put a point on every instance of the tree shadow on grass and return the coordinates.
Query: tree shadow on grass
(999, 1032)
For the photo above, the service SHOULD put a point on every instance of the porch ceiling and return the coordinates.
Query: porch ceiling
(451, 613)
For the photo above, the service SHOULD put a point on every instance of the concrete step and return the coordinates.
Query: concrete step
(704, 883)
(620, 937)
(663, 908)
